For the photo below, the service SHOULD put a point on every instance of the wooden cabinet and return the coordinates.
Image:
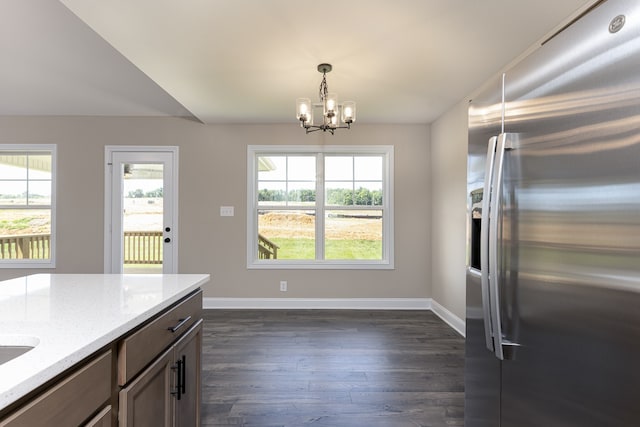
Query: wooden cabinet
(71, 401)
(147, 400)
(155, 381)
(139, 348)
(102, 419)
(189, 352)
(166, 392)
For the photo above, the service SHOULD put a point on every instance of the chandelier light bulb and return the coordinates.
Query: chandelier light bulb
(303, 110)
(331, 104)
(349, 112)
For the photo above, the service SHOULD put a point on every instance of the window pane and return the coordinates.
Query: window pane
(13, 193)
(339, 193)
(25, 233)
(272, 193)
(368, 194)
(301, 168)
(272, 168)
(40, 193)
(368, 168)
(13, 166)
(40, 166)
(286, 234)
(338, 168)
(353, 235)
(302, 193)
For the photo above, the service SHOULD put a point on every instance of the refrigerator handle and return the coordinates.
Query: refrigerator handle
(484, 242)
(494, 288)
(504, 143)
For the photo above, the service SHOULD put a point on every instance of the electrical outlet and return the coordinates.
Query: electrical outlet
(283, 286)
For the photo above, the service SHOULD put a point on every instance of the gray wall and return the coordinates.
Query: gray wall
(448, 198)
(213, 173)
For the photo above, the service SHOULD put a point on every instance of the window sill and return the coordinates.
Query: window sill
(320, 265)
(15, 264)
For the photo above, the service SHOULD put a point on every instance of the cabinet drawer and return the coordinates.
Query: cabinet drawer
(140, 348)
(69, 402)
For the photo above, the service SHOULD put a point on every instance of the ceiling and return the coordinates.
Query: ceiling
(246, 61)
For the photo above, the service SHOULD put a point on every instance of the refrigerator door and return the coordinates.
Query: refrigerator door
(482, 368)
(570, 227)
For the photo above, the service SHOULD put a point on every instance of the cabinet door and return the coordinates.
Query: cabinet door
(103, 419)
(147, 401)
(188, 352)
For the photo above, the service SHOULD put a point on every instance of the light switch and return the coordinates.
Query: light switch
(226, 210)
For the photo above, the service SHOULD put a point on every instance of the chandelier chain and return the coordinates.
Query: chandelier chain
(324, 90)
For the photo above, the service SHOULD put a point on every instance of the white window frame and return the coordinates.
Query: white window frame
(38, 263)
(254, 151)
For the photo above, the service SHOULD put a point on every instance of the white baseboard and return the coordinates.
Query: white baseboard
(448, 317)
(319, 303)
(339, 303)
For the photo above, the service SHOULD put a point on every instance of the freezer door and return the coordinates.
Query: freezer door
(571, 227)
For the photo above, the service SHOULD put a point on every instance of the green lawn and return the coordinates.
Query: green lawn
(335, 249)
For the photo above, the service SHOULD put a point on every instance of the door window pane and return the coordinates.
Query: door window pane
(143, 217)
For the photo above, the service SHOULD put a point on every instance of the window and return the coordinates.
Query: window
(320, 207)
(27, 206)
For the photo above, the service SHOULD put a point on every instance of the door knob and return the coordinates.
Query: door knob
(167, 240)
(167, 229)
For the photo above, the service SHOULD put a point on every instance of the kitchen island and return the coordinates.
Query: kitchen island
(69, 318)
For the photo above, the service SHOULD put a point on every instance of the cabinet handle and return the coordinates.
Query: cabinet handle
(181, 322)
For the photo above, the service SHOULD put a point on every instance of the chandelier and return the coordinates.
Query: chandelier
(334, 115)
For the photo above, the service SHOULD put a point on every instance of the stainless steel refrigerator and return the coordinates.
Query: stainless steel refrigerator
(553, 277)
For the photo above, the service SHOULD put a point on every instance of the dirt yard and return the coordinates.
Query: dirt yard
(24, 222)
(293, 224)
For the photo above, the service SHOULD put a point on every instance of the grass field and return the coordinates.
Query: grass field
(334, 249)
(347, 238)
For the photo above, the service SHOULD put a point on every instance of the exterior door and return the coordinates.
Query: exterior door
(141, 210)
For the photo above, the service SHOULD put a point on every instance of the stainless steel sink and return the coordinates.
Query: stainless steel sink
(12, 346)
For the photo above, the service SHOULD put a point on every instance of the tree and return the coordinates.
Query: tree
(154, 193)
(136, 194)
(266, 195)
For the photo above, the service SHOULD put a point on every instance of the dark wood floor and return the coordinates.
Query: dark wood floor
(337, 368)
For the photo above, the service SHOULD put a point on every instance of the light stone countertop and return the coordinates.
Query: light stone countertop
(71, 316)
